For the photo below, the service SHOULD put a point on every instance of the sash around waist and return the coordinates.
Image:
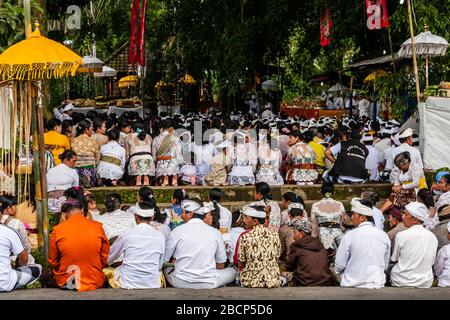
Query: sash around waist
(143, 153)
(304, 166)
(111, 160)
(164, 158)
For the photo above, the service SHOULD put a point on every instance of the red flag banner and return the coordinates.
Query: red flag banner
(325, 28)
(377, 14)
(133, 54)
(141, 57)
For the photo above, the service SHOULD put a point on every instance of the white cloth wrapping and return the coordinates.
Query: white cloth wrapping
(417, 210)
(119, 110)
(434, 132)
(359, 208)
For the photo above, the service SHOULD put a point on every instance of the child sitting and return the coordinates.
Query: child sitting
(174, 211)
(93, 212)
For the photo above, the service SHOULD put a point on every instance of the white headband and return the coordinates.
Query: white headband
(296, 206)
(252, 212)
(208, 207)
(147, 213)
(359, 208)
(192, 206)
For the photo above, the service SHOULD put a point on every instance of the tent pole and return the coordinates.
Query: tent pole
(411, 30)
(351, 98)
(43, 169)
(40, 171)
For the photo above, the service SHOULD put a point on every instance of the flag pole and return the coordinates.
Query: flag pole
(414, 56)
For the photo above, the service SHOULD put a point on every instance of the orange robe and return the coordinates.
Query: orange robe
(79, 244)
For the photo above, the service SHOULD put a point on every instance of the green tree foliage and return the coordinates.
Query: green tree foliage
(12, 27)
(227, 41)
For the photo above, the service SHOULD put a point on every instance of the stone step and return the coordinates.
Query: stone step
(237, 195)
(237, 205)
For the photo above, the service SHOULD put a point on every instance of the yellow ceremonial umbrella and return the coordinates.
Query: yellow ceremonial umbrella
(38, 58)
(128, 81)
(376, 74)
(32, 60)
(188, 79)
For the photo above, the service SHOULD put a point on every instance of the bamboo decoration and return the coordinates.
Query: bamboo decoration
(416, 71)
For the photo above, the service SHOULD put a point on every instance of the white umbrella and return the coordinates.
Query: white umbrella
(91, 64)
(337, 88)
(107, 72)
(270, 85)
(426, 44)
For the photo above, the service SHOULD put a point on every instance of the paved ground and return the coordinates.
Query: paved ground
(235, 294)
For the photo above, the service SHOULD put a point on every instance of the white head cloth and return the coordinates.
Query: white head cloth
(359, 208)
(192, 206)
(417, 210)
(147, 213)
(252, 212)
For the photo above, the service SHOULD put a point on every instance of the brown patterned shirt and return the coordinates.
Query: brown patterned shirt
(86, 149)
(260, 249)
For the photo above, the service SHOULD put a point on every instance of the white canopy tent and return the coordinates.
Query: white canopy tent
(435, 132)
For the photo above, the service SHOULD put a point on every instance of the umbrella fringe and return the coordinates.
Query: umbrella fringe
(37, 71)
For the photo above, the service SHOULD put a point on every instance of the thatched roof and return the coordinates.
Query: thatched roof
(119, 59)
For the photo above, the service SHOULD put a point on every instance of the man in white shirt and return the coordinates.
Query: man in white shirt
(406, 140)
(339, 103)
(354, 102)
(442, 265)
(12, 279)
(142, 248)
(364, 108)
(65, 113)
(330, 102)
(414, 250)
(387, 156)
(363, 254)
(374, 159)
(199, 252)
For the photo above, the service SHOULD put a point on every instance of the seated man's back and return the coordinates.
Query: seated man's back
(143, 250)
(260, 250)
(196, 248)
(79, 247)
